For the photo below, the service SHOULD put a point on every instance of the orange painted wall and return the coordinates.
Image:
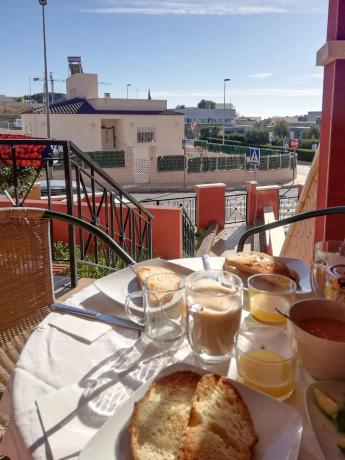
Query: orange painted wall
(166, 226)
(166, 231)
(210, 205)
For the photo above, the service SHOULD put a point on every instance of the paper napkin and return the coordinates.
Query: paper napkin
(87, 330)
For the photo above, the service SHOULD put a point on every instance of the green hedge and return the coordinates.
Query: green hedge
(108, 159)
(170, 163)
(305, 155)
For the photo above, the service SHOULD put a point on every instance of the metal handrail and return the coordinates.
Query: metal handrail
(187, 216)
(150, 200)
(132, 219)
(83, 157)
(187, 234)
(289, 220)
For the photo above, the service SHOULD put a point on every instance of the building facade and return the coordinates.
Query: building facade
(196, 119)
(105, 124)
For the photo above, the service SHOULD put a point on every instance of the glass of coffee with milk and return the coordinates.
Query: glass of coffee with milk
(214, 301)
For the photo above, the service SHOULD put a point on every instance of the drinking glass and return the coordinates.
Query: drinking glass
(327, 254)
(335, 283)
(266, 360)
(214, 303)
(162, 309)
(268, 292)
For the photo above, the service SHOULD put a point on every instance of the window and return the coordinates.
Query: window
(145, 135)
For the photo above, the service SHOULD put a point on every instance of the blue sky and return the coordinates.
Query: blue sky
(180, 49)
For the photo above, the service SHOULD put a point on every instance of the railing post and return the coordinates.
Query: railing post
(69, 197)
(251, 202)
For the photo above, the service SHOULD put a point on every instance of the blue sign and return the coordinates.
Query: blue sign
(254, 155)
(184, 143)
(286, 144)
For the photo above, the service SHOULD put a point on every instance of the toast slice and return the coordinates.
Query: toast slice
(165, 280)
(144, 271)
(161, 416)
(253, 263)
(220, 426)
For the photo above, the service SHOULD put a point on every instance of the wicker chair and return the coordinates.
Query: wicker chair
(26, 287)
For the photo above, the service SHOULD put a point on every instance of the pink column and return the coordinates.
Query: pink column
(166, 231)
(331, 183)
(267, 195)
(251, 202)
(210, 205)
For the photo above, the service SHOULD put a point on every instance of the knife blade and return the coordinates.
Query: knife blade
(104, 317)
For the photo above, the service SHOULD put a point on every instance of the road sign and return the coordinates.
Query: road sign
(270, 136)
(294, 143)
(285, 144)
(184, 143)
(254, 155)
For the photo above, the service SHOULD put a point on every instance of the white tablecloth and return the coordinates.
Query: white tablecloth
(52, 359)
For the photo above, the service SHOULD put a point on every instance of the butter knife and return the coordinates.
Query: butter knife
(104, 317)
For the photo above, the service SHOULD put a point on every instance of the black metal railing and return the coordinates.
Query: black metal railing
(288, 200)
(287, 206)
(235, 207)
(187, 202)
(288, 221)
(188, 235)
(92, 196)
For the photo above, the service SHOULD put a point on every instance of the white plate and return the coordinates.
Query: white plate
(299, 266)
(119, 284)
(325, 431)
(278, 426)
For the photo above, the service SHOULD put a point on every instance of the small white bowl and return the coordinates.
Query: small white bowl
(322, 358)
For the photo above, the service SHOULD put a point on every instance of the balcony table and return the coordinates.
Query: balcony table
(53, 359)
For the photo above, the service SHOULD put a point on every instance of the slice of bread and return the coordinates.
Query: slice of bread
(257, 262)
(220, 426)
(144, 271)
(161, 416)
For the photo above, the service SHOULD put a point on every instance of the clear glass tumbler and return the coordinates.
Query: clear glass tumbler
(268, 293)
(214, 303)
(266, 360)
(327, 254)
(164, 307)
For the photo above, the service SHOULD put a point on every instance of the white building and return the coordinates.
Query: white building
(103, 124)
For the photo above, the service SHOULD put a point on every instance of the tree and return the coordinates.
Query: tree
(311, 133)
(281, 128)
(256, 135)
(180, 106)
(205, 132)
(204, 104)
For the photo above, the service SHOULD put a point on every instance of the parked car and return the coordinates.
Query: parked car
(58, 187)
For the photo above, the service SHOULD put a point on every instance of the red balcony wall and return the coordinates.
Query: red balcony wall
(166, 226)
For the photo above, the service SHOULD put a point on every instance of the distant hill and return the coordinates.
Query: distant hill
(38, 97)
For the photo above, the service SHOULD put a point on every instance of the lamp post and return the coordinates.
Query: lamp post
(43, 3)
(225, 80)
(128, 85)
(30, 91)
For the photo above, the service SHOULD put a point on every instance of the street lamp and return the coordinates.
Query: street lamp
(43, 3)
(128, 85)
(30, 90)
(225, 80)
